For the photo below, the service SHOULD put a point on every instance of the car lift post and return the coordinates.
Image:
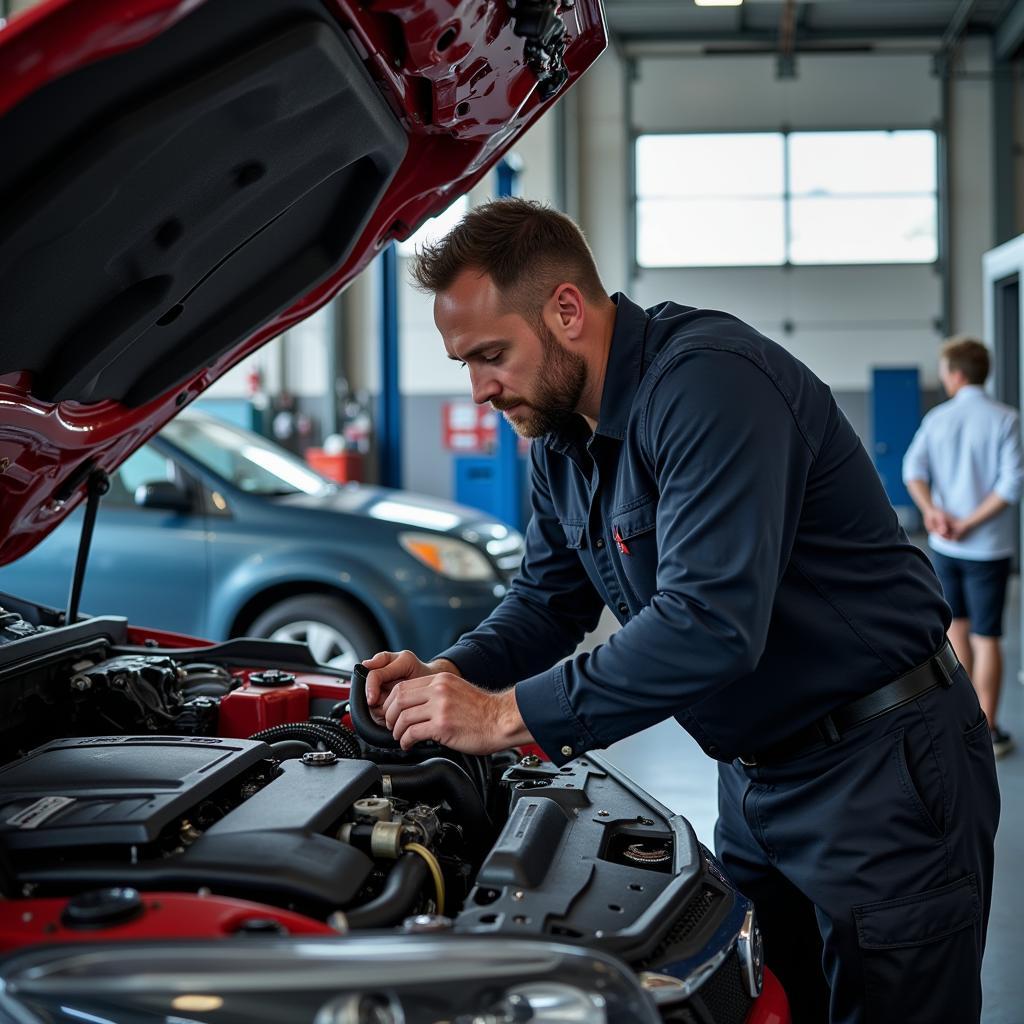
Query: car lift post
(390, 398)
(508, 475)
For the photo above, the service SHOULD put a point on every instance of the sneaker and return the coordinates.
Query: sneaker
(1002, 742)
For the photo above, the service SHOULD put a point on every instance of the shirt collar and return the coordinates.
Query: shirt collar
(621, 377)
(970, 391)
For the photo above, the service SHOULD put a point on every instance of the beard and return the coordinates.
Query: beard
(560, 381)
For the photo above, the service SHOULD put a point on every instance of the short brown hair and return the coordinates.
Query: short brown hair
(526, 249)
(969, 356)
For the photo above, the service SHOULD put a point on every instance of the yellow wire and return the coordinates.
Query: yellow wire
(435, 870)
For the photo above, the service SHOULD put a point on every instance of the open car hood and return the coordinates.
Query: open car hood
(185, 179)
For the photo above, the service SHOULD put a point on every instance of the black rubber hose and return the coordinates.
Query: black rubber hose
(476, 765)
(312, 734)
(336, 727)
(440, 776)
(285, 750)
(365, 726)
(398, 899)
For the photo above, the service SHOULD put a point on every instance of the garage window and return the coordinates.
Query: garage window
(770, 198)
(710, 200)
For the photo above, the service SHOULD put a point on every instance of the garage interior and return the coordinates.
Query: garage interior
(864, 293)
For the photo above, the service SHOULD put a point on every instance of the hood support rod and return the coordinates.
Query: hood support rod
(99, 484)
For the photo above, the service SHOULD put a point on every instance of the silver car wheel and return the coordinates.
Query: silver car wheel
(328, 645)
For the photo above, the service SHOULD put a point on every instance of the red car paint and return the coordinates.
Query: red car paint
(772, 1006)
(164, 915)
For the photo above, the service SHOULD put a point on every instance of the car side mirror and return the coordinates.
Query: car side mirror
(163, 494)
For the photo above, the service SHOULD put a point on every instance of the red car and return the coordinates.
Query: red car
(220, 833)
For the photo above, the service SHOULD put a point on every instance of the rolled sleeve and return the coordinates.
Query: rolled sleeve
(915, 462)
(1011, 465)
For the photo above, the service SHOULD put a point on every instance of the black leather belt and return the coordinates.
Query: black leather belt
(936, 671)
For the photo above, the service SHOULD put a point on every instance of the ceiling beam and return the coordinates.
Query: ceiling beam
(1010, 33)
(957, 24)
(808, 37)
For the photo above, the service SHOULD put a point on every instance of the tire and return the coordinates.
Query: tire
(337, 633)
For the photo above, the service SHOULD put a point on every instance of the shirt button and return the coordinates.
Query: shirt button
(566, 751)
(599, 543)
(712, 750)
(623, 608)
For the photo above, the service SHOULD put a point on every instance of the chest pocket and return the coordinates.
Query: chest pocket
(573, 534)
(635, 538)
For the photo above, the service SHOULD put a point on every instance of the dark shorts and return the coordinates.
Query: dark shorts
(974, 590)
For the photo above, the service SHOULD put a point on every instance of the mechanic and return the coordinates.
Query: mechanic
(695, 478)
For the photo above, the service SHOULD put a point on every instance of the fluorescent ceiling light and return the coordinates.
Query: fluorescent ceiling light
(718, 3)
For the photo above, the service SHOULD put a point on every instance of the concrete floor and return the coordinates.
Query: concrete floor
(670, 766)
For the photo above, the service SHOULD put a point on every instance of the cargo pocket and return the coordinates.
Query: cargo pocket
(922, 955)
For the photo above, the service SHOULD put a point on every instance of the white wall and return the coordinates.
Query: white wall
(604, 186)
(424, 368)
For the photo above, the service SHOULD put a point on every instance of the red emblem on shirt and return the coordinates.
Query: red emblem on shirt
(620, 543)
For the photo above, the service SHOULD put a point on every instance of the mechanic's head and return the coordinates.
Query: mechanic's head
(963, 360)
(518, 299)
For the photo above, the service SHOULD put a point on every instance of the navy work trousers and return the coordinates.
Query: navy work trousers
(870, 863)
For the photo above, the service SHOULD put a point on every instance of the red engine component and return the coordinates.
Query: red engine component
(158, 915)
(771, 1007)
(262, 701)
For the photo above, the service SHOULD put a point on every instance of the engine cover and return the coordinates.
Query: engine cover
(183, 813)
(114, 790)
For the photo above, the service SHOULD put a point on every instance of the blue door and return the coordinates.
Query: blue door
(895, 417)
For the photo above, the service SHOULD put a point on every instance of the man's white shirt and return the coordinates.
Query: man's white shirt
(965, 449)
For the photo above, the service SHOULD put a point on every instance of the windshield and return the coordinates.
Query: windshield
(250, 462)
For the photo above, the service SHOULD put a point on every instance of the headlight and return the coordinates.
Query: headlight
(450, 557)
(379, 979)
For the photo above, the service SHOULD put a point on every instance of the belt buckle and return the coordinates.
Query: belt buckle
(748, 762)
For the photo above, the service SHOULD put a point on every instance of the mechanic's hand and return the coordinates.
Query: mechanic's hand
(388, 668)
(455, 713)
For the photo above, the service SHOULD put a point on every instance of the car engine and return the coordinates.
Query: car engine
(150, 790)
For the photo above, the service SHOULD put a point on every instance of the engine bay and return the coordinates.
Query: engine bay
(152, 789)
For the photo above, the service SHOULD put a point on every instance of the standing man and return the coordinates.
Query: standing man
(699, 481)
(964, 470)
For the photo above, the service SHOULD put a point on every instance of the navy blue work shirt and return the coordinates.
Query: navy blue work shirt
(727, 513)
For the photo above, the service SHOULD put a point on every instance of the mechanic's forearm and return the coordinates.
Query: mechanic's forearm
(444, 665)
(512, 727)
(990, 506)
(921, 494)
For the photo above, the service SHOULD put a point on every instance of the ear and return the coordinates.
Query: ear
(566, 311)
